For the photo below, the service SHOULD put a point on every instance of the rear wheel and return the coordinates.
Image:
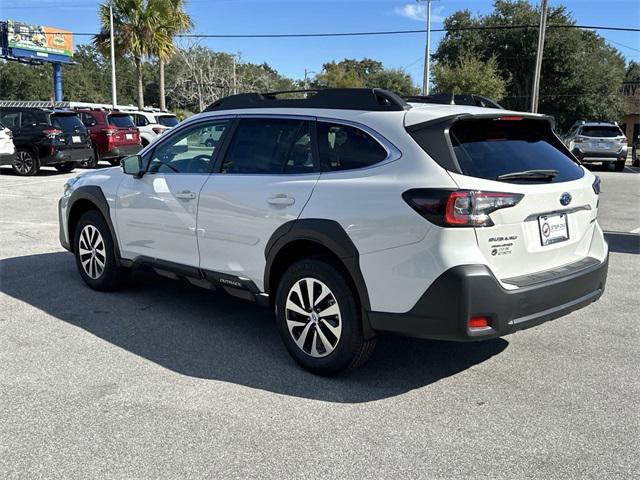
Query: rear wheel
(619, 166)
(94, 252)
(26, 163)
(92, 161)
(65, 167)
(319, 318)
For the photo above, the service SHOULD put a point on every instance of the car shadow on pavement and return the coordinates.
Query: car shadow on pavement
(211, 335)
(623, 242)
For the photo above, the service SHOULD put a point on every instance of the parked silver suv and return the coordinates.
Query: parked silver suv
(598, 142)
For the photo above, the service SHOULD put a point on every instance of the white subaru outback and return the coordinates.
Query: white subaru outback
(351, 212)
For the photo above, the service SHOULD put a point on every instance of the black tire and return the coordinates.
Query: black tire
(65, 167)
(619, 166)
(209, 143)
(348, 350)
(92, 161)
(26, 163)
(112, 277)
(144, 142)
(114, 162)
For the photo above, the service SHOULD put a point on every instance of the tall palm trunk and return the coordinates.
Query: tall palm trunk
(138, 62)
(162, 102)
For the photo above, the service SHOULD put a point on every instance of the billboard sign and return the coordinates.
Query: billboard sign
(35, 41)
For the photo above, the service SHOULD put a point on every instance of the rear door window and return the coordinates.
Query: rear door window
(121, 121)
(67, 123)
(604, 131)
(343, 147)
(167, 120)
(488, 148)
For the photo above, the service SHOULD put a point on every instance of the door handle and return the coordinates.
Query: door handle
(186, 195)
(281, 199)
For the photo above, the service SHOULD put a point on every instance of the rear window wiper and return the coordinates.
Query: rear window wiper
(529, 174)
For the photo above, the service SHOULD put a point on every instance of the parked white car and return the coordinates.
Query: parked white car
(149, 125)
(352, 212)
(7, 148)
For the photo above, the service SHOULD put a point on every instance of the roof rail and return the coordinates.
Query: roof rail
(33, 104)
(455, 99)
(371, 99)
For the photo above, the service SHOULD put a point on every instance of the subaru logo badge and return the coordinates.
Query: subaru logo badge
(565, 198)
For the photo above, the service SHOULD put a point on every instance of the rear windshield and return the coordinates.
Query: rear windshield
(167, 120)
(67, 123)
(122, 121)
(489, 148)
(609, 132)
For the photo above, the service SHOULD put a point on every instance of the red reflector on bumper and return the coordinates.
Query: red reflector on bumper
(478, 322)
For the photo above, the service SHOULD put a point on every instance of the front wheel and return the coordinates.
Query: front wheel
(26, 163)
(319, 318)
(619, 167)
(95, 254)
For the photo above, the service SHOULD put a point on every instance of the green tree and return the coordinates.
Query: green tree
(173, 20)
(350, 73)
(581, 74)
(470, 74)
(138, 33)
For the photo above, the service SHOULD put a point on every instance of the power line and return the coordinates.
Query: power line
(371, 33)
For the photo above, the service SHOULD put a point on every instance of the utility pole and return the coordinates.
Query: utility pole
(536, 76)
(234, 74)
(427, 52)
(114, 99)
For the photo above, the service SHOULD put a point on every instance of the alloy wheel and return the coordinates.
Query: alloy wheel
(92, 251)
(24, 162)
(313, 317)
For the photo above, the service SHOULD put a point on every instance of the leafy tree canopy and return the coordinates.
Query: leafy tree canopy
(470, 74)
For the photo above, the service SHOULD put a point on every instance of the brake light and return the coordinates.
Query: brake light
(51, 132)
(459, 208)
(478, 322)
(108, 132)
(509, 118)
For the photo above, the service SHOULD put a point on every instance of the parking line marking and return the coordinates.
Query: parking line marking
(12, 222)
(26, 184)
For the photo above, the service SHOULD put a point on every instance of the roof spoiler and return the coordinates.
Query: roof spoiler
(455, 99)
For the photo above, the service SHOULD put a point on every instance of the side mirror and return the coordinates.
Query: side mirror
(132, 166)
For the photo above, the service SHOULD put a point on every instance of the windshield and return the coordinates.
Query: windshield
(67, 123)
(121, 121)
(490, 148)
(167, 120)
(608, 132)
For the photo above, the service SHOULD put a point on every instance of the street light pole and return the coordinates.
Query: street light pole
(427, 52)
(114, 99)
(536, 76)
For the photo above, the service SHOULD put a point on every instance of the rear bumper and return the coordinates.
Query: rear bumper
(7, 158)
(66, 155)
(121, 151)
(599, 156)
(472, 290)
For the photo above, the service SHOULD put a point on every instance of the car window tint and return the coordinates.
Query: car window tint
(28, 119)
(167, 120)
(141, 121)
(122, 121)
(343, 147)
(10, 119)
(67, 123)
(270, 146)
(604, 131)
(185, 152)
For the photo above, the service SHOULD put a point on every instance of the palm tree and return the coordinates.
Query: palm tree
(137, 32)
(174, 21)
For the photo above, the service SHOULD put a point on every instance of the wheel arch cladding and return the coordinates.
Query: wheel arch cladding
(294, 237)
(82, 200)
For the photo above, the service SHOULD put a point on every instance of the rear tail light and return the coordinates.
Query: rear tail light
(459, 208)
(477, 323)
(108, 132)
(51, 132)
(623, 140)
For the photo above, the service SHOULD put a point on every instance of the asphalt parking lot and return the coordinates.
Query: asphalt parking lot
(163, 380)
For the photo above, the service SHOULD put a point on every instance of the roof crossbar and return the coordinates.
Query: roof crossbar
(370, 99)
(455, 99)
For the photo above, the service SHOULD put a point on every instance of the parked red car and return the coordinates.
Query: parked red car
(113, 135)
